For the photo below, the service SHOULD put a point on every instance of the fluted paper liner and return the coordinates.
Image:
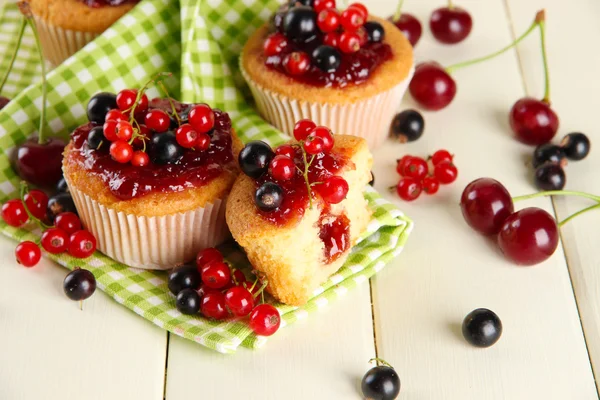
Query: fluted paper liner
(369, 118)
(58, 44)
(152, 242)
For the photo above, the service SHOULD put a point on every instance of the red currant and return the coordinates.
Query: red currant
(36, 202)
(349, 42)
(363, 36)
(82, 244)
(124, 130)
(126, 98)
(320, 5)
(333, 189)
(352, 18)
(203, 142)
(275, 44)
(282, 168)
(431, 185)
(55, 240)
(121, 151)
(445, 172)
(416, 168)
(14, 213)
(332, 39)
(239, 300)
(313, 145)
(403, 164)
(362, 8)
(326, 136)
(432, 87)
(286, 150)
(115, 115)
(409, 189)
(157, 120)
(240, 278)
(207, 256)
(450, 24)
(441, 155)
(265, 320)
(68, 222)
(296, 63)
(140, 159)
(486, 204)
(142, 135)
(533, 121)
(110, 130)
(28, 254)
(202, 118)
(214, 306)
(303, 128)
(216, 275)
(328, 20)
(186, 136)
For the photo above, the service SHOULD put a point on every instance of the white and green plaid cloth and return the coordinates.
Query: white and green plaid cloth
(199, 41)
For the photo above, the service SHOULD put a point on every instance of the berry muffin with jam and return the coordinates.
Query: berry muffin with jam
(298, 210)
(343, 69)
(150, 178)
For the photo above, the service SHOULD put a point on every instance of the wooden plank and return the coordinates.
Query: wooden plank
(574, 64)
(448, 270)
(52, 350)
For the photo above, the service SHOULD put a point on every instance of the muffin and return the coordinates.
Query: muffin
(155, 198)
(293, 239)
(345, 70)
(65, 26)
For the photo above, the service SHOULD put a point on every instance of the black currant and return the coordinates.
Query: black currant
(482, 327)
(375, 31)
(60, 203)
(550, 176)
(99, 105)
(408, 126)
(268, 196)
(255, 157)
(298, 3)
(96, 138)
(164, 149)
(327, 58)
(188, 302)
(184, 277)
(300, 24)
(548, 153)
(576, 146)
(79, 284)
(381, 383)
(61, 186)
(372, 181)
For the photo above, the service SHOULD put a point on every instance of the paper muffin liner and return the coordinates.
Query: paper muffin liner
(152, 242)
(369, 118)
(58, 44)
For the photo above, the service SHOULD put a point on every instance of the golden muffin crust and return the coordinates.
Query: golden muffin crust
(155, 203)
(75, 15)
(385, 76)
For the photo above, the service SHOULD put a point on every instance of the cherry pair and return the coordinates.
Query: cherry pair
(419, 175)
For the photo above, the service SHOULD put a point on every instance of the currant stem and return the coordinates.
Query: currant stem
(557, 193)
(578, 213)
(173, 109)
(23, 192)
(14, 54)
(542, 24)
(44, 83)
(305, 174)
(398, 12)
(380, 361)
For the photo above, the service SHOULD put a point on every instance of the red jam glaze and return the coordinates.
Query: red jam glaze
(110, 3)
(335, 234)
(194, 169)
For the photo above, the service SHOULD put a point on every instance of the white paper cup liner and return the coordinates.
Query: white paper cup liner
(58, 44)
(152, 242)
(369, 118)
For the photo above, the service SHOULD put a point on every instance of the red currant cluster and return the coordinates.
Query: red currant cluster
(219, 291)
(418, 175)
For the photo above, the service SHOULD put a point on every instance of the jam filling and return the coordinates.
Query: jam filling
(109, 3)
(335, 234)
(194, 169)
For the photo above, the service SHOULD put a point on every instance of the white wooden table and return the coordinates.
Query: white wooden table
(411, 312)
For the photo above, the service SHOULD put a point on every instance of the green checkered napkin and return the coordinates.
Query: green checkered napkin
(199, 41)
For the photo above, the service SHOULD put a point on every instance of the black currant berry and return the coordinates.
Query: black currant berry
(184, 277)
(99, 105)
(550, 176)
(548, 153)
(381, 383)
(188, 302)
(300, 24)
(255, 157)
(375, 31)
(482, 327)
(372, 181)
(96, 138)
(268, 197)
(60, 203)
(61, 186)
(164, 149)
(408, 126)
(327, 58)
(576, 146)
(79, 284)
(298, 3)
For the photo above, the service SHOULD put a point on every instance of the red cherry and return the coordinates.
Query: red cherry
(296, 63)
(432, 87)
(207, 256)
(203, 142)
(320, 5)
(28, 254)
(286, 150)
(55, 240)
(121, 151)
(39, 164)
(409, 189)
(450, 25)
(349, 42)
(326, 135)
(157, 120)
(403, 164)
(328, 20)
(214, 306)
(334, 189)
(14, 213)
(110, 130)
(409, 26)
(282, 168)
(140, 159)
(124, 130)
(528, 236)
(303, 128)
(265, 320)
(36, 202)
(533, 121)
(82, 244)
(332, 39)
(352, 18)
(239, 300)
(485, 205)
(441, 155)
(126, 98)
(275, 44)
(313, 145)
(216, 275)
(445, 172)
(186, 136)
(416, 168)
(202, 118)
(115, 115)
(362, 8)
(68, 222)
(431, 185)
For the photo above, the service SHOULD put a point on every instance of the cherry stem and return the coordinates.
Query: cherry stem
(14, 54)
(44, 83)
(578, 213)
(557, 193)
(454, 67)
(398, 12)
(541, 20)
(380, 361)
(450, 4)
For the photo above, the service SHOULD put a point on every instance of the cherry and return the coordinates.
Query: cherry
(121, 151)
(482, 327)
(79, 284)
(239, 301)
(286, 150)
(213, 305)
(126, 98)
(3, 102)
(282, 168)
(325, 135)
(36, 202)
(202, 142)
(381, 383)
(184, 277)
(202, 118)
(140, 159)
(275, 44)
(157, 120)
(409, 26)
(268, 197)
(450, 25)
(416, 168)
(303, 128)
(409, 189)
(432, 87)
(28, 254)
(334, 189)
(216, 275)
(320, 5)
(68, 222)
(445, 172)
(55, 240)
(314, 145)
(528, 236)
(296, 63)
(349, 42)
(485, 205)
(328, 20)
(441, 156)
(39, 164)
(431, 185)
(14, 213)
(206, 256)
(188, 302)
(352, 18)
(265, 320)
(82, 244)
(533, 121)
